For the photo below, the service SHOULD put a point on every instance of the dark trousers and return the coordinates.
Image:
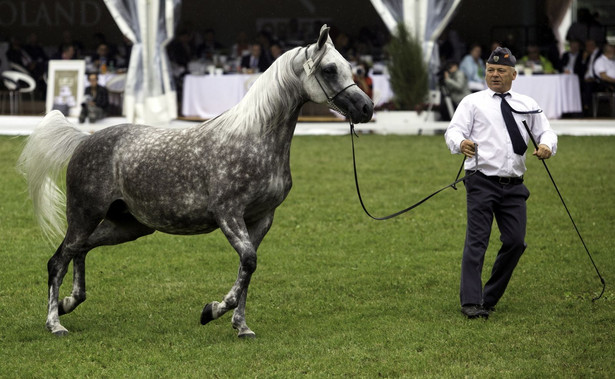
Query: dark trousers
(486, 198)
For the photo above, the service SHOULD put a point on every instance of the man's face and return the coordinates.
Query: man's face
(499, 77)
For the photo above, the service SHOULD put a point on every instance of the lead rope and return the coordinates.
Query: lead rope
(356, 181)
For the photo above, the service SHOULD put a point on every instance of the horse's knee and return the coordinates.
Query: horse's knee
(248, 262)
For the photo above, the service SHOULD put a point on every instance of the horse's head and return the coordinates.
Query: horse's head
(327, 78)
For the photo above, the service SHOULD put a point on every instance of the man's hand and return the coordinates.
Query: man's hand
(468, 148)
(543, 152)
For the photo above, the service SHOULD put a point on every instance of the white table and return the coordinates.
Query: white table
(207, 96)
(555, 94)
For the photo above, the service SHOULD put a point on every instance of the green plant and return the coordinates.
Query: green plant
(408, 71)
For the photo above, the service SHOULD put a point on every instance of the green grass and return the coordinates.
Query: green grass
(335, 293)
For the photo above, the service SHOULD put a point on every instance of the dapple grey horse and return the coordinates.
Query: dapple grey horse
(230, 172)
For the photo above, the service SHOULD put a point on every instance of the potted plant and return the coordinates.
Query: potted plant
(409, 81)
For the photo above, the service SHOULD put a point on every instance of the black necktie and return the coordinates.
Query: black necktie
(519, 145)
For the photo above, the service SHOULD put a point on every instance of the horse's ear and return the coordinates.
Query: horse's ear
(324, 36)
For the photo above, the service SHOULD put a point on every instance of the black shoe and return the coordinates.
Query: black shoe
(489, 308)
(474, 311)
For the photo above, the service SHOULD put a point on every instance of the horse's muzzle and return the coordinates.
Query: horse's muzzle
(356, 105)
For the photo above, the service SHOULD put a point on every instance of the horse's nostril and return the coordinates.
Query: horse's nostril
(365, 109)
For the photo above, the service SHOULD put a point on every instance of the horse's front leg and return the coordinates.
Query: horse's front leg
(236, 232)
(257, 232)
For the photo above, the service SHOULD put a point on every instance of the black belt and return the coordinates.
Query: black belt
(503, 179)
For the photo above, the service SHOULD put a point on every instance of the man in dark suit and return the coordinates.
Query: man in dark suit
(572, 61)
(255, 62)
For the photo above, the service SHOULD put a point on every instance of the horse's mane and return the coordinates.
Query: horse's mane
(266, 104)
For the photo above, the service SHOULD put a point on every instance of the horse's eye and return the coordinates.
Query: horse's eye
(330, 69)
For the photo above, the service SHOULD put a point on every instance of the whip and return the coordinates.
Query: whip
(527, 128)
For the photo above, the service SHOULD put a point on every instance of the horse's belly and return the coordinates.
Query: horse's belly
(174, 216)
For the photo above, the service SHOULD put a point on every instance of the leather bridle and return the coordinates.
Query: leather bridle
(310, 67)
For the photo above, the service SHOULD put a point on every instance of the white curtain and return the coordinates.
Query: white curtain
(425, 19)
(149, 97)
(557, 11)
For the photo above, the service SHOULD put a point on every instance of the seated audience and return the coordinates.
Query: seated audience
(241, 46)
(538, 63)
(473, 67)
(572, 60)
(96, 101)
(104, 59)
(588, 85)
(255, 62)
(455, 82)
(604, 67)
(276, 50)
(210, 46)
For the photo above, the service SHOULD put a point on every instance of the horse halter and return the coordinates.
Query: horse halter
(310, 68)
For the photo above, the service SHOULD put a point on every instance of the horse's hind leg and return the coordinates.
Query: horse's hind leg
(71, 248)
(122, 229)
(118, 227)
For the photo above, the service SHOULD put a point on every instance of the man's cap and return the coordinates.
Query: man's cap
(503, 56)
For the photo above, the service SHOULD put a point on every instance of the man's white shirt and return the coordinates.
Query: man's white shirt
(479, 118)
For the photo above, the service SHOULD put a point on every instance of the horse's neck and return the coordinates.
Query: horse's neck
(269, 111)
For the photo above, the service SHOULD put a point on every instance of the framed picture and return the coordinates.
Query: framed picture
(65, 86)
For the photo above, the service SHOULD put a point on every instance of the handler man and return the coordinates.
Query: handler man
(485, 124)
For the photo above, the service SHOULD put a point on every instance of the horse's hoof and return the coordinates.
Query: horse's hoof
(60, 333)
(208, 314)
(247, 335)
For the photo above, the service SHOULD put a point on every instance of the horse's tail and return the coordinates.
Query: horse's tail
(42, 161)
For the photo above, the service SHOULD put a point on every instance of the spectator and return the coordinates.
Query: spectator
(588, 85)
(538, 63)
(276, 51)
(17, 55)
(241, 46)
(473, 67)
(572, 60)
(35, 50)
(265, 39)
(210, 46)
(103, 59)
(455, 82)
(182, 50)
(67, 39)
(96, 101)
(67, 52)
(586, 27)
(604, 67)
(362, 79)
(255, 62)
(590, 54)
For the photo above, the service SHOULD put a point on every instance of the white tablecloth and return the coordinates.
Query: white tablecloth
(555, 94)
(207, 96)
